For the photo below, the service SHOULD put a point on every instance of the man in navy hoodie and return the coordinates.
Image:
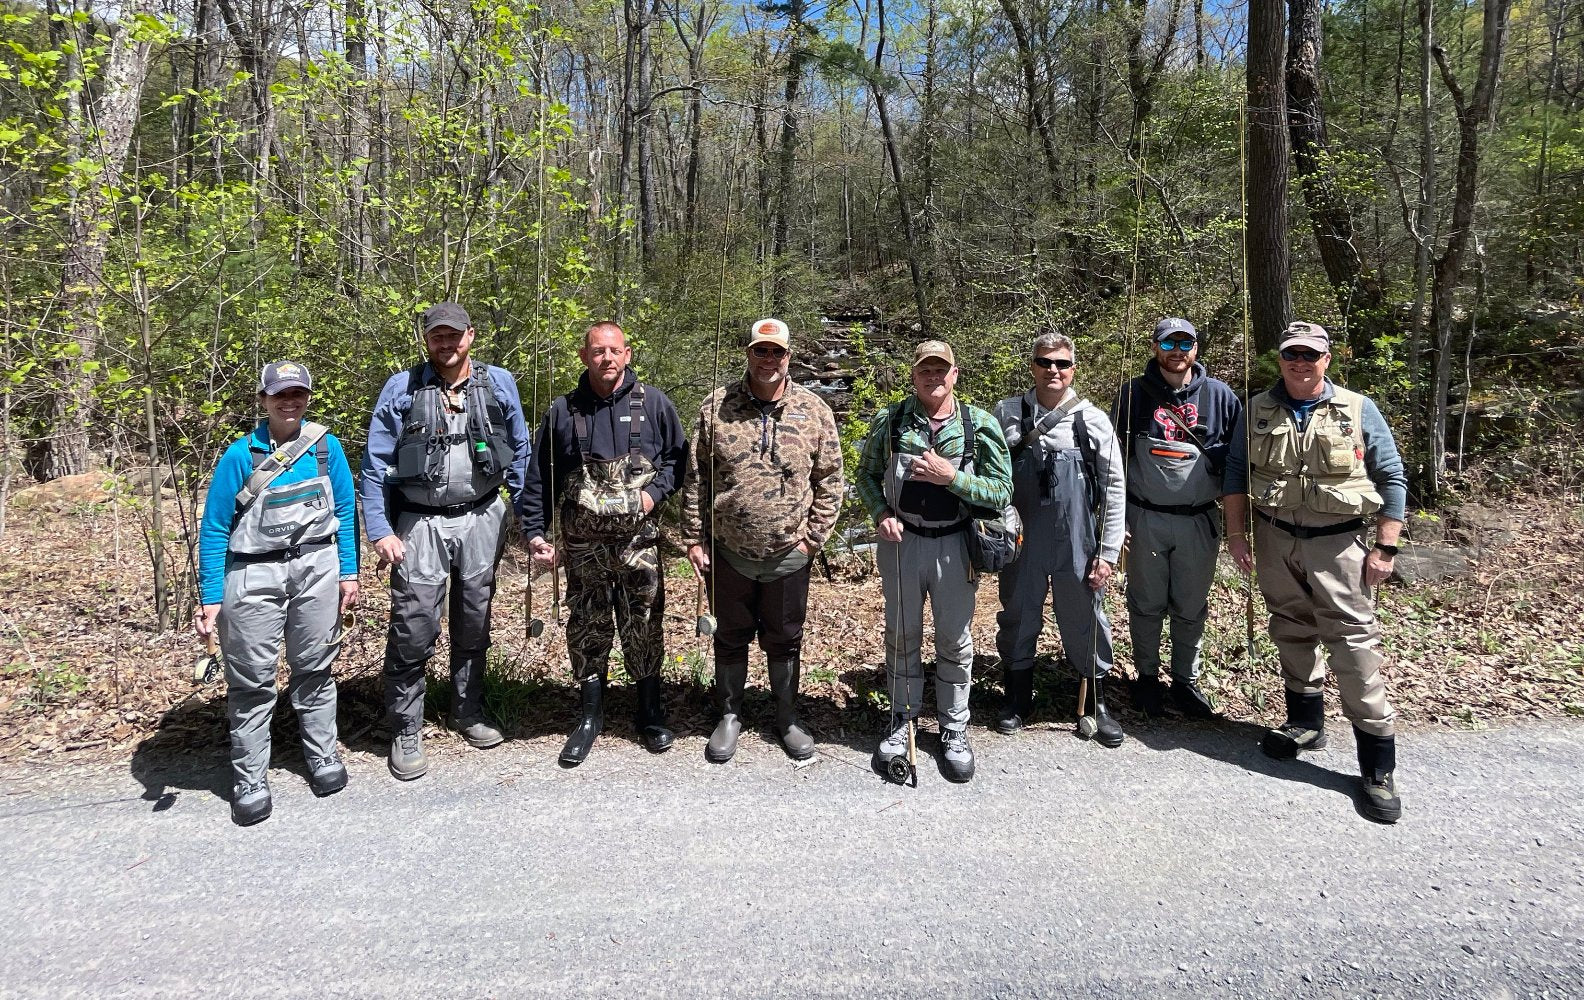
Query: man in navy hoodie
(1175, 423)
(608, 454)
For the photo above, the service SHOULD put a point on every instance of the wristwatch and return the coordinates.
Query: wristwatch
(1390, 550)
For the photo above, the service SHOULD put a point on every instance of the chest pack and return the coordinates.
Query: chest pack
(605, 496)
(279, 522)
(995, 537)
(427, 434)
(268, 465)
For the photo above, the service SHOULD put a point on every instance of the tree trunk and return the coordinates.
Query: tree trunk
(98, 135)
(1270, 298)
(359, 246)
(786, 154)
(1474, 114)
(1039, 120)
(904, 208)
(1356, 291)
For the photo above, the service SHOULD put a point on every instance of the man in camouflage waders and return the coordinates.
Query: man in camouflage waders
(608, 454)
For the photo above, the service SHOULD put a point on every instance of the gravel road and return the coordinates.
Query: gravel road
(1183, 864)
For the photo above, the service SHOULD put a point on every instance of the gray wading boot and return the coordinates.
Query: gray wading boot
(326, 775)
(468, 718)
(894, 745)
(957, 758)
(1377, 757)
(578, 744)
(1107, 732)
(1303, 730)
(1018, 704)
(1150, 695)
(1191, 701)
(251, 803)
(784, 675)
(407, 758)
(651, 720)
(730, 680)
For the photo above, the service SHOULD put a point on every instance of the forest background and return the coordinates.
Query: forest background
(192, 188)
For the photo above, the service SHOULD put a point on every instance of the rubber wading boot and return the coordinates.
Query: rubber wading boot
(1377, 756)
(578, 744)
(956, 755)
(1018, 704)
(326, 775)
(1150, 695)
(784, 675)
(1190, 700)
(730, 680)
(407, 758)
(251, 803)
(1303, 730)
(1107, 732)
(651, 720)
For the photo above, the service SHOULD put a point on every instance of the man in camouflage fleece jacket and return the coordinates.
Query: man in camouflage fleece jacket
(762, 494)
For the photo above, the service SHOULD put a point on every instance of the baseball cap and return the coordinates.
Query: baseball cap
(1310, 335)
(278, 376)
(445, 314)
(770, 331)
(1173, 325)
(934, 350)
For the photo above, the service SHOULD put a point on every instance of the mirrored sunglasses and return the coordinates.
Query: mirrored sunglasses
(1060, 364)
(1184, 345)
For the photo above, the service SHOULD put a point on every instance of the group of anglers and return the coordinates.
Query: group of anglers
(762, 483)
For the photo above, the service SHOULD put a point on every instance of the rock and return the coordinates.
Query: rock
(1430, 563)
(1424, 526)
(1481, 528)
(64, 495)
(137, 478)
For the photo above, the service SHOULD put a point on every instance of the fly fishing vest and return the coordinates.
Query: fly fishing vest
(603, 500)
(281, 521)
(1320, 469)
(433, 438)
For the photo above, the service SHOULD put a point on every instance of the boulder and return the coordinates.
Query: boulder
(64, 495)
(1432, 563)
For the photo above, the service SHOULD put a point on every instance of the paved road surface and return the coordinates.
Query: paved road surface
(1183, 864)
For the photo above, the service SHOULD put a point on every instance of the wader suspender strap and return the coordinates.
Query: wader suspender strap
(1091, 459)
(267, 468)
(635, 404)
(1027, 422)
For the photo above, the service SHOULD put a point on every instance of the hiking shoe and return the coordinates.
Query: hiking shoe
(1381, 803)
(1149, 695)
(479, 732)
(326, 775)
(251, 803)
(1291, 739)
(957, 755)
(407, 758)
(894, 745)
(1188, 699)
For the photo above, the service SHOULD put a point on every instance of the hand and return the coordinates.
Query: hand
(204, 619)
(391, 550)
(645, 501)
(700, 560)
(1099, 572)
(890, 529)
(1241, 554)
(806, 548)
(931, 468)
(349, 595)
(1377, 567)
(543, 552)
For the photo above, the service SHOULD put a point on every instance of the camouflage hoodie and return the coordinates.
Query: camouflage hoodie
(768, 478)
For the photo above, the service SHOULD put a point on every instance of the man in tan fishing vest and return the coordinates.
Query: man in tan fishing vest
(1319, 463)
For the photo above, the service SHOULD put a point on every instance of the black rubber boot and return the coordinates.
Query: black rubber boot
(592, 688)
(1018, 704)
(785, 672)
(1149, 695)
(730, 680)
(651, 720)
(1303, 730)
(1107, 732)
(1377, 756)
(1190, 701)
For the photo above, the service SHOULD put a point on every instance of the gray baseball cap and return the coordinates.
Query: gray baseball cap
(445, 314)
(278, 376)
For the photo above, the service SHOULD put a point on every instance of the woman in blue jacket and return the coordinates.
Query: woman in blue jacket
(277, 559)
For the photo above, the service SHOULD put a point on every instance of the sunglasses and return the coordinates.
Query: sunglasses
(1175, 345)
(1060, 364)
(1299, 354)
(761, 351)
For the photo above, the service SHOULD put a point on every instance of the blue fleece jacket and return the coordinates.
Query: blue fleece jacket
(232, 472)
(1382, 462)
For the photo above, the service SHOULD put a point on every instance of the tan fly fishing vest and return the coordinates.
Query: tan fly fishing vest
(1320, 469)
